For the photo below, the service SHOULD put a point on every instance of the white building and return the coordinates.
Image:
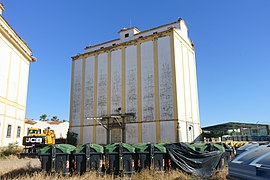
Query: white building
(15, 58)
(60, 128)
(151, 74)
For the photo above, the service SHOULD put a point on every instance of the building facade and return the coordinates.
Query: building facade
(15, 58)
(144, 83)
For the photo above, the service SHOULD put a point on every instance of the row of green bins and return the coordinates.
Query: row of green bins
(56, 158)
(120, 159)
(88, 157)
(150, 156)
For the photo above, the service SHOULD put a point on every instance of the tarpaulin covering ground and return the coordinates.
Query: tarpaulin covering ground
(191, 161)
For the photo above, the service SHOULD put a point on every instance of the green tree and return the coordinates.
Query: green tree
(55, 118)
(43, 117)
(72, 138)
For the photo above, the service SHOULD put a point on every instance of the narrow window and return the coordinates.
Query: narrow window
(9, 131)
(18, 131)
(126, 35)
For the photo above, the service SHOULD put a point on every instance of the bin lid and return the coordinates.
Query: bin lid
(160, 147)
(215, 146)
(142, 147)
(226, 146)
(112, 147)
(204, 146)
(219, 147)
(198, 146)
(96, 147)
(65, 148)
(191, 146)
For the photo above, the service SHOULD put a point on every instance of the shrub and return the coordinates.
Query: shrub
(11, 149)
(72, 138)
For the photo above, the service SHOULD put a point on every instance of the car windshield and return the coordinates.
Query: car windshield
(34, 131)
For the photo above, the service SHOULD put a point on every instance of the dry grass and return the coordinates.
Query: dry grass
(173, 175)
(24, 169)
(222, 174)
(146, 175)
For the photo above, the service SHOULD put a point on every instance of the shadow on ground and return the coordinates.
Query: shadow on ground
(28, 170)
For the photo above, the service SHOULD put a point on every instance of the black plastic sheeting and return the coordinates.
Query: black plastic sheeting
(193, 162)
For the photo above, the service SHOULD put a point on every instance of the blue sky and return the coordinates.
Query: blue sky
(231, 42)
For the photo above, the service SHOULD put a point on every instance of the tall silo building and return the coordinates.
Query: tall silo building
(15, 59)
(141, 87)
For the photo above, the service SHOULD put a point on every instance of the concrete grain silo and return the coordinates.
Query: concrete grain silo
(141, 87)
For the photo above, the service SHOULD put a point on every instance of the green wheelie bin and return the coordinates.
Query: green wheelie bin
(88, 157)
(56, 158)
(150, 156)
(120, 159)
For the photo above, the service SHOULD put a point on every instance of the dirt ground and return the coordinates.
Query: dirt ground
(11, 168)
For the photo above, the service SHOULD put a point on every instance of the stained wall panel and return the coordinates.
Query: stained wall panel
(147, 81)
(166, 131)
(116, 80)
(77, 92)
(101, 135)
(88, 134)
(165, 79)
(89, 99)
(131, 79)
(132, 133)
(102, 84)
(89, 87)
(149, 132)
